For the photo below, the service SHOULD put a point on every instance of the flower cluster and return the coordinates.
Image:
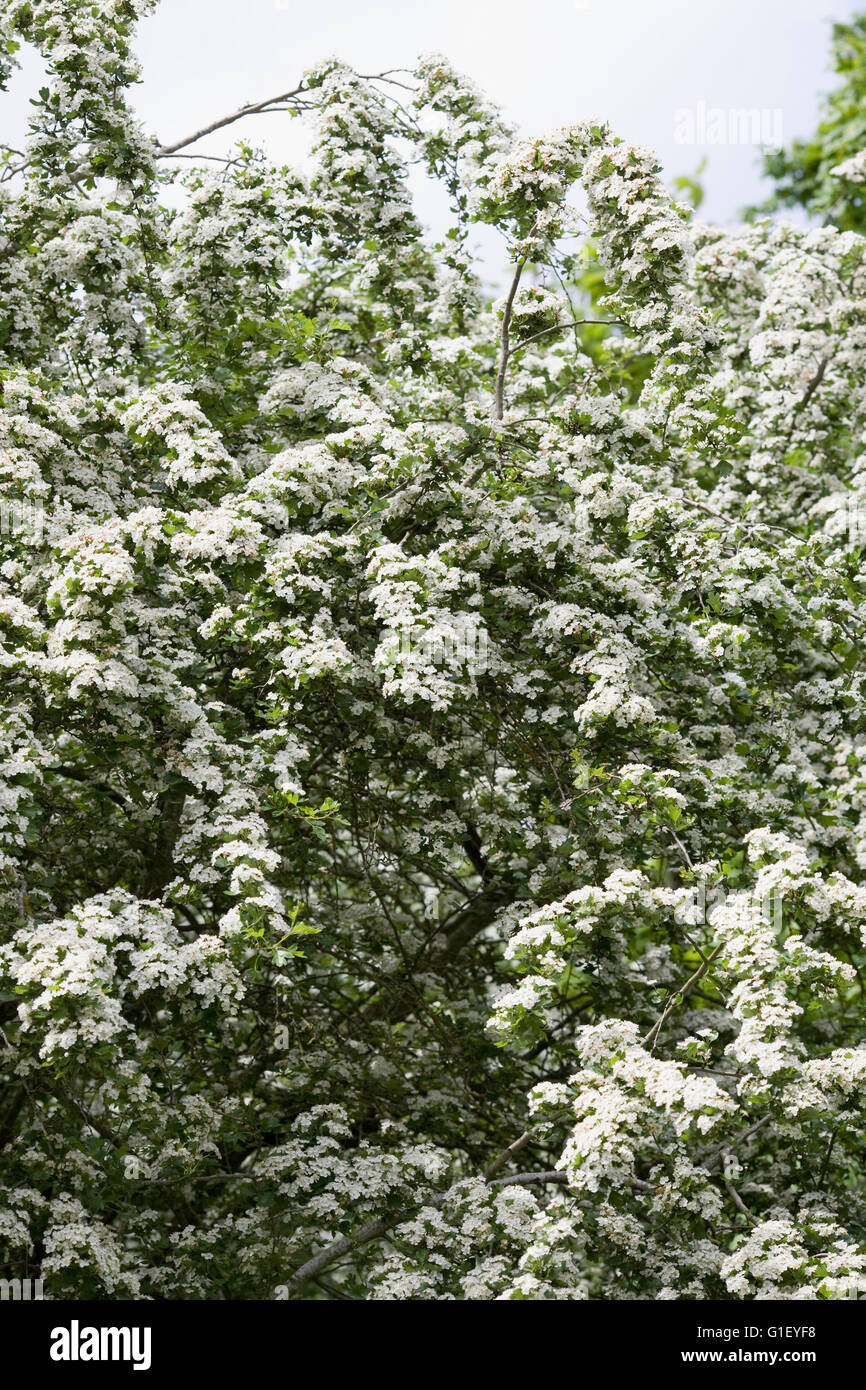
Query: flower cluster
(432, 761)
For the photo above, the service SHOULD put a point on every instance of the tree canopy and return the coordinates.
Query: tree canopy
(825, 173)
(432, 761)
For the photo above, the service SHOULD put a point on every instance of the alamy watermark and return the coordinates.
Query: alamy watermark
(701, 899)
(23, 520)
(461, 647)
(21, 1290)
(77, 1343)
(855, 518)
(732, 125)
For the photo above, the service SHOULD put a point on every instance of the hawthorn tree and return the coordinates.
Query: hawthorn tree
(826, 173)
(433, 788)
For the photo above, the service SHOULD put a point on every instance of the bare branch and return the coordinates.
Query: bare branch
(503, 1158)
(499, 404)
(375, 1229)
(828, 1155)
(259, 108)
(254, 108)
(709, 1160)
(734, 1194)
(677, 998)
(814, 383)
(560, 327)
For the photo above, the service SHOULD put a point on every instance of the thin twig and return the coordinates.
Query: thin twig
(506, 1154)
(814, 383)
(680, 995)
(734, 1194)
(709, 1160)
(571, 323)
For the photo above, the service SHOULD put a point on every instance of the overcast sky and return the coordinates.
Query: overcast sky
(635, 62)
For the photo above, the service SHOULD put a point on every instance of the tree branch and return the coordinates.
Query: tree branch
(259, 108)
(503, 1158)
(814, 383)
(375, 1229)
(680, 995)
(161, 869)
(499, 402)
(254, 108)
(559, 327)
(734, 1194)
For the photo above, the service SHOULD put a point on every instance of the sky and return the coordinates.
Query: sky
(650, 67)
(637, 63)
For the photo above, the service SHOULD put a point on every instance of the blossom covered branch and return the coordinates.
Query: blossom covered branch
(426, 721)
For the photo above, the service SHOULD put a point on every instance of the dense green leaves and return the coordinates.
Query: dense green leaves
(431, 757)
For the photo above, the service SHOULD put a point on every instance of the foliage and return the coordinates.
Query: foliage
(826, 173)
(433, 761)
